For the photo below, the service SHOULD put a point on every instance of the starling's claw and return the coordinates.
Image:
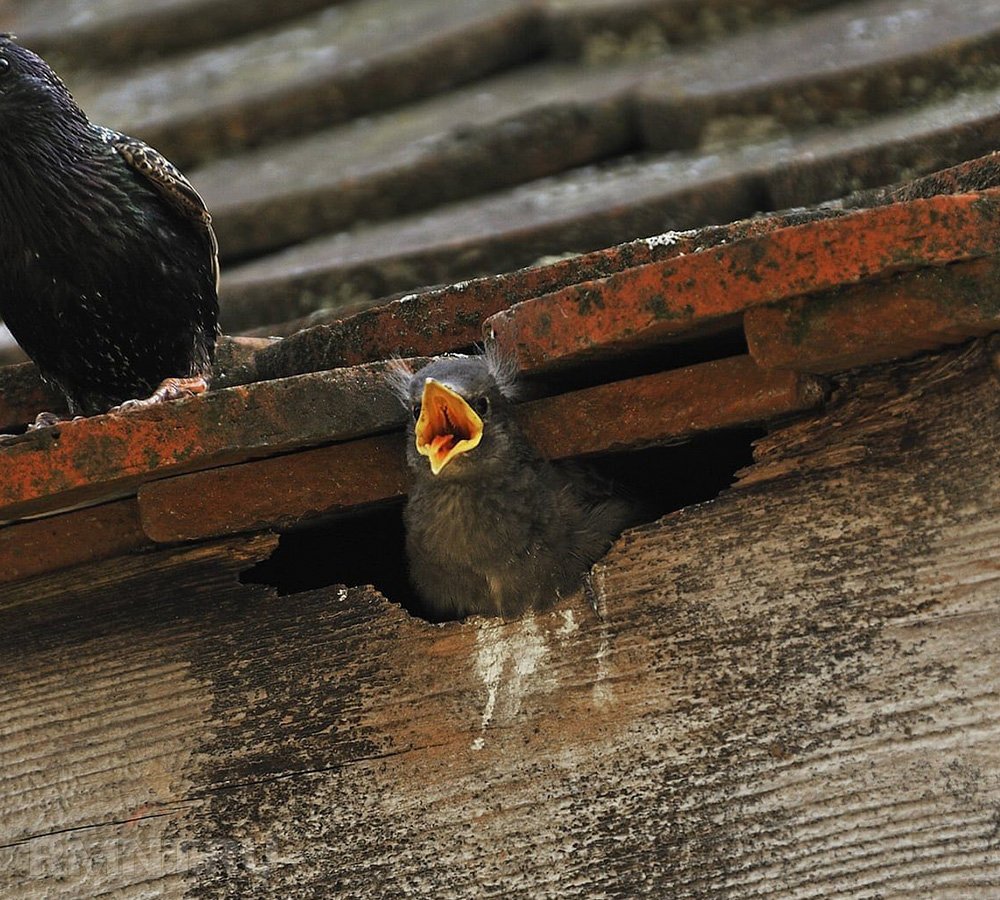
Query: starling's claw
(45, 420)
(169, 389)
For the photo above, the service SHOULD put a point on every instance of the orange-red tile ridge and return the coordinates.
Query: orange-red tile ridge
(657, 301)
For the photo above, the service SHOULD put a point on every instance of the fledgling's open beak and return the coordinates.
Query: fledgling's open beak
(447, 425)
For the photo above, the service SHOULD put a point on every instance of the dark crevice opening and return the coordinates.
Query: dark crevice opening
(721, 343)
(639, 361)
(369, 547)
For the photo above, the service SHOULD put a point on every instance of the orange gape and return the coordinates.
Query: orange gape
(442, 444)
(447, 426)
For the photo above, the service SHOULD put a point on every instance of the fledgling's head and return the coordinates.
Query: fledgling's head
(31, 94)
(460, 408)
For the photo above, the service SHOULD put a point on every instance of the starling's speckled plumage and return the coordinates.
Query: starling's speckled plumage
(491, 528)
(109, 263)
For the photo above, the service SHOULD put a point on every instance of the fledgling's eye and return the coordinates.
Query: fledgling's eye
(482, 405)
(4, 65)
(416, 411)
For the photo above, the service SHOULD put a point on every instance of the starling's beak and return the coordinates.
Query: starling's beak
(447, 425)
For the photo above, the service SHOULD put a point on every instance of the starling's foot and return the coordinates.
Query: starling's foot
(169, 389)
(45, 420)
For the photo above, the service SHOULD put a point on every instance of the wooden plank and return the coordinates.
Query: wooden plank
(794, 691)
(655, 302)
(639, 412)
(875, 322)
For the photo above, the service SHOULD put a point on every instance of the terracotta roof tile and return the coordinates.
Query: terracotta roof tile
(665, 407)
(870, 323)
(505, 130)
(274, 493)
(450, 318)
(821, 68)
(597, 30)
(343, 61)
(109, 456)
(582, 211)
(107, 32)
(835, 161)
(59, 542)
(585, 210)
(23, 394)
(654, 302)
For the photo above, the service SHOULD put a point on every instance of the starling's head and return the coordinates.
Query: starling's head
(460, 410)
(30, 92)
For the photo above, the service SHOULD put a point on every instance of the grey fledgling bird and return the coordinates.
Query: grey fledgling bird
(108, 261)
(493, 529)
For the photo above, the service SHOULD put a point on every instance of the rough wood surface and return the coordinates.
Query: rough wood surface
(794, 692)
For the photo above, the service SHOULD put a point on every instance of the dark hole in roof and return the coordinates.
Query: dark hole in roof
(368, 548)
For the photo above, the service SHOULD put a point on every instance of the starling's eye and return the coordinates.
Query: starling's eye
(4, 65)
(482, 405)
(416, 411)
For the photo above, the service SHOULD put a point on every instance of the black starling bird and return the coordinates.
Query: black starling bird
(109, 263)
(491, 528)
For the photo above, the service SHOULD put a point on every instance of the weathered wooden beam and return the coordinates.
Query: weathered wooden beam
(658, 301)
(794, 690)
(871, 323)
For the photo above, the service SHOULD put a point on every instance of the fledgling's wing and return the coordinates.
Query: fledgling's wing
(164, 177)
(608, 509)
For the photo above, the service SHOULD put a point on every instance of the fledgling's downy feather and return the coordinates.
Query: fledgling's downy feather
(491, 528)
(108, 261)
(503, 369)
